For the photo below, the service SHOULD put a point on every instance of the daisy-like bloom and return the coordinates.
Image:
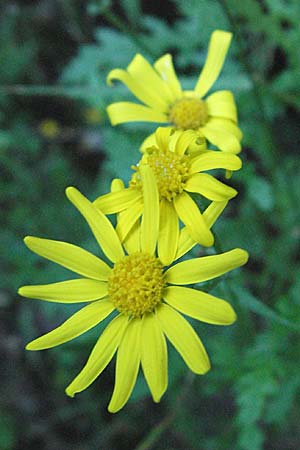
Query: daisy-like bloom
(177, 175)
(213, 117)
(146, 297)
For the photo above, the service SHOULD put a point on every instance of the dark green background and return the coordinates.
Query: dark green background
(55, 56)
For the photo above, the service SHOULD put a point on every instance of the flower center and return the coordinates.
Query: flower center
(171, 172)
(188, 113)
(135, 284)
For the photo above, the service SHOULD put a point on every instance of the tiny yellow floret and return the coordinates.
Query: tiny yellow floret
(171, 172)
(135, 284)
(189, 113)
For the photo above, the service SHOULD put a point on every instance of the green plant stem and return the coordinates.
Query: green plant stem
(154, 434)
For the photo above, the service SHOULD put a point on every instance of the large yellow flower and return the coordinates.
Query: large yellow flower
(146, 297)
(214, 117)
(177, 174)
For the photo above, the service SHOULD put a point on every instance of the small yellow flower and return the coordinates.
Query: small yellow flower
(146, 297)
(177, 174)
(93, 116)
(214, 117)
(49, 128)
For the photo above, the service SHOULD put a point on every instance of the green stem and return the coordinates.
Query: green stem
(154, 434)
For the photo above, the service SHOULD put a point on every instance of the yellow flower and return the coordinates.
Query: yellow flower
(49, 128)
(177, 174)
(214, 117)
(146, 297)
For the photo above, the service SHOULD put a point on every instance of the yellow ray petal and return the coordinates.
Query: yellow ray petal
(140, 69)
(132, 242)
(222, 104)
(209, 187)
(221, 138)
(150, 219)
(215, 160)
(213, 211)
(183, 337)
(168, 232)
(79, 323)
(140, 89)
(114, 202)
(227, 125)
(210, 215)
(117, 185)
(150, 141)
(128, 218)
(122, 112)
(101, 227)
(162, 137)
(165, 68)
(199, 305)
(217, 51)
(184, 140)
(191, 216)
(205, 268)
(154, 357)
(100, 356)
(70, 256)
(71, 291)
(127, 232)
(127, 366)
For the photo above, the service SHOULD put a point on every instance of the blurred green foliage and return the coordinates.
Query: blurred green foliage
(55, 56)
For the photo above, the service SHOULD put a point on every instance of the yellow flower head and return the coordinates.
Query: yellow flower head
(213, 117)
(177, 173)
(147, 299)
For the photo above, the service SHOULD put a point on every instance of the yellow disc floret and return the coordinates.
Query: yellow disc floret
(188, 113)
(171, 172)
(135, 284)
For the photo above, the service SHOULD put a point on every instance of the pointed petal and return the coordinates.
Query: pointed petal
(215, 160)
(205, 268)
(210, 215)
(209, 187)
(79, 323)
(185, 340)
(221, 139)
(154, 356)
(100, 356)
(145, 93)
(71, 291)
(199, 305)
(227, 125)
(127, 366)
(150, 219)
(217, 51)
(122, 112)
(165, 68)
(162, 137)
(141, 70)
(191, 216)
(150, 141)
(222, 104)
(128, 218)
(70, 256)
(184, 140)
(101, 227)
(117, 201)
(132, 242)
(168, 232)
